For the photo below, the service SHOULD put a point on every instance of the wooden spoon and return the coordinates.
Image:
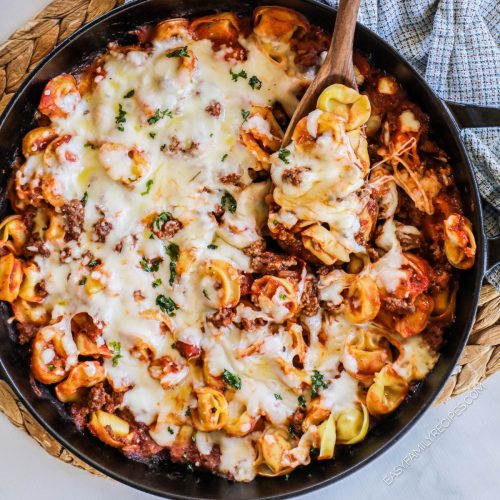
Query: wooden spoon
(337, 67)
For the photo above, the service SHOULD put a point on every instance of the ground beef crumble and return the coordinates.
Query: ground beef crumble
(309, 300)
(223, 317)
(29, 217)
(293, 176)
(291, 243)
(233, 179)
(79, 414)
(101, 230)
(189, 453)
(246, 281)
(255, 249)
(100, 397)
(250, 325)
(267, 262)
(35, 246)
(25, 332)
(66, 255)
(214, 108)
(398, 306)
(175, 147)
(309, 46)
(168, 229)
(140, 445)
(73, 214)
(104, 398)
(296, 421)
(433, 335)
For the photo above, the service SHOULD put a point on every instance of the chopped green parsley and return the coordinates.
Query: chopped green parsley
(158, 115)
(182, 52)
(283, 155)
(173, 252)
(161, 219)
(317, 383)
(116, 347)
(228, 202)
(235, 76)
(231, 379)
(150, 266)
(121, 118)
(166, 305)
(255, 83)
(149, 185)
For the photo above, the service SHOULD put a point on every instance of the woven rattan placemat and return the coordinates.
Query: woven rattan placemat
(22, 52)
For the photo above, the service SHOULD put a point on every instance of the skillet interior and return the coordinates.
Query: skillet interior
(172, 480)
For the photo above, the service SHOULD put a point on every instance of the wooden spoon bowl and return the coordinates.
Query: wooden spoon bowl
(337, 66)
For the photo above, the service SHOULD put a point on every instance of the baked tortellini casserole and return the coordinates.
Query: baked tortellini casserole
(191, 289)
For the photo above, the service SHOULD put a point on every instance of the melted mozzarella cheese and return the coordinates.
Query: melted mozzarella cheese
(160, 150)
(238, 457)
(387, 271)
(341, 394)
(416, 359)
(144, 143)
(322, 355)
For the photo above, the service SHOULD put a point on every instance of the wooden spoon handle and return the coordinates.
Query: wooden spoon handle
(338, 61)
(337, 67)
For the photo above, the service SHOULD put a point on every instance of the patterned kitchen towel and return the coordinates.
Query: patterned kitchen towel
(454, 45)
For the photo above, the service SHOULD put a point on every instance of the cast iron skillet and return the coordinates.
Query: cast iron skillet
(174, 481)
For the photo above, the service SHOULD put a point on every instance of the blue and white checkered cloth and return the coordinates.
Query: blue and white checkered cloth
(454, 45)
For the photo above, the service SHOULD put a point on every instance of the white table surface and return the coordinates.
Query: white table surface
(460, 457)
